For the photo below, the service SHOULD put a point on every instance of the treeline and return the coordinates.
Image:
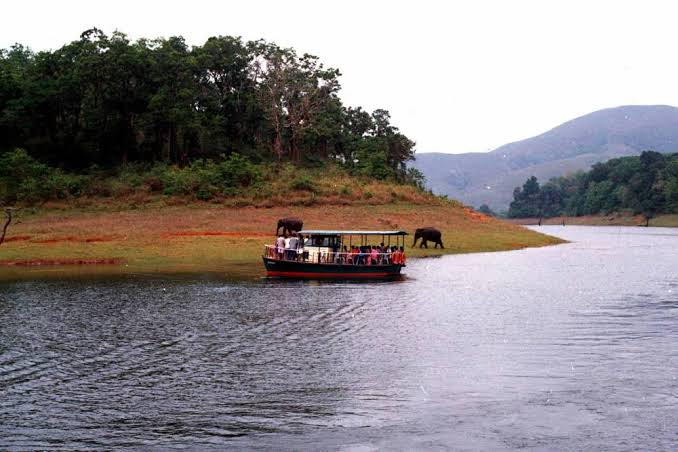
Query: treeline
(645, 184)
(105, 101)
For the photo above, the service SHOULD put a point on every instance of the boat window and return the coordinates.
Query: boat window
(321, 241)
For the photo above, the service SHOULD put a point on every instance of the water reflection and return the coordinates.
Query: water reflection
(559, 348)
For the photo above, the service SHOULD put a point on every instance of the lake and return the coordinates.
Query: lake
(568, 347)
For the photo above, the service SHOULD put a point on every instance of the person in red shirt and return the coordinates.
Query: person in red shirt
(402, 258)
(395, 256)
(354, 255)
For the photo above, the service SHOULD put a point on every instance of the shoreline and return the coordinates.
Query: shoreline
(208, 238)
(669, 220)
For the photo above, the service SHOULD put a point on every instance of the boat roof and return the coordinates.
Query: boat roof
(331, 232)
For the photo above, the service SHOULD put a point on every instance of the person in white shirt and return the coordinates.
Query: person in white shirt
(291, 246)
(280, 246)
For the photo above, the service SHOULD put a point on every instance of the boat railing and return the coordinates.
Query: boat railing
(300, 255)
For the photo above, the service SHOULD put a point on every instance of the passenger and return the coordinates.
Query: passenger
(355, 256)
(343, 258)
(280, 246)
(403, 258)
(374, 256)
(386, 257)
(335, 251)
(396, 256)
(301, 254)
(291, 247)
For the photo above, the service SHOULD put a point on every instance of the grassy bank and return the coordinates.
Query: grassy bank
(603, 220)
(206, 237)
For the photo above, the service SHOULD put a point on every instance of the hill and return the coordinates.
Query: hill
(489, 178)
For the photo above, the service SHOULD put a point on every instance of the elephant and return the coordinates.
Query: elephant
(428, 234)
(289, 225)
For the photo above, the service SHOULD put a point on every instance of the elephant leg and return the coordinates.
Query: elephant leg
(441, 245)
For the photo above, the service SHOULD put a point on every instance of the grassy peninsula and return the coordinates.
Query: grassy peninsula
(176, 236)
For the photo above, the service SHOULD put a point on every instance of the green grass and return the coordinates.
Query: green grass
(153, 238)
(667, 221)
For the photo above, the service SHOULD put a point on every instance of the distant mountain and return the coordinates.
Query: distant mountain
(489, 178)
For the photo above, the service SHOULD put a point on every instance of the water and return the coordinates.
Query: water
(562, 348)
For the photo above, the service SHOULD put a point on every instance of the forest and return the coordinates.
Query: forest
(645, 184)
(234, 109)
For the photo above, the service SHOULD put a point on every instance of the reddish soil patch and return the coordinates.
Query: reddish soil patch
(73, 239)
(476, 216)
(17, 238)
(217, 234)
(97, 239)
(36, 262)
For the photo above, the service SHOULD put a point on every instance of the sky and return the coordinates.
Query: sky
(456, 76)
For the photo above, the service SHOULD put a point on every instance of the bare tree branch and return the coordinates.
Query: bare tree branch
(8, 212)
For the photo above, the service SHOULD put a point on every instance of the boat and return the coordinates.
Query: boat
(332, 254)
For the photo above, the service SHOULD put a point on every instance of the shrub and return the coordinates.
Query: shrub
(238, 171)
(62, 185)
(229, 192)
(206, 192)
(303, 182)
(23, 178)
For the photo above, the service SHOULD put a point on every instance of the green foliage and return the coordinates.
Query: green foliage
(646, 184)
(485, 209)
(238, 171)
(105, 100)
(303, 182)
(22, 178)
(527, 202)
(205, 179)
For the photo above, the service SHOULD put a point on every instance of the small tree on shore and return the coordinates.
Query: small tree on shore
(8, 214)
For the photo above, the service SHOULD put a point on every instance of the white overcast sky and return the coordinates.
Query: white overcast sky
(456, 76)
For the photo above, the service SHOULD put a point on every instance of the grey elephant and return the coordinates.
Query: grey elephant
(289, 225)
(428, 235)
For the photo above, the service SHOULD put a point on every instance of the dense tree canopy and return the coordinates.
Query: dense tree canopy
(105, 100)
(645, 184)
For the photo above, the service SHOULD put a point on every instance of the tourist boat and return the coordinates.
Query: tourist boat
(320, 254)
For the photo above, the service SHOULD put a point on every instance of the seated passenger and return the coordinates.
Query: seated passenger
(386, 256)
(403, 258)
(363, 256)
(374, 256)
(343, 257)
(396, 256)
(354, 255)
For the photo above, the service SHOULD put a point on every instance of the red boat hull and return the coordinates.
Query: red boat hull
(297, 269)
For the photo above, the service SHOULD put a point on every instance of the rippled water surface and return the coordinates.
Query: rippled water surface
(568, 348)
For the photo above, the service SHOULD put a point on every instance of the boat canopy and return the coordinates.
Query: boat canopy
(329, 232)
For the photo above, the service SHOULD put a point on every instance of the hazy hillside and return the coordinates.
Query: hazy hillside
(477, 178)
